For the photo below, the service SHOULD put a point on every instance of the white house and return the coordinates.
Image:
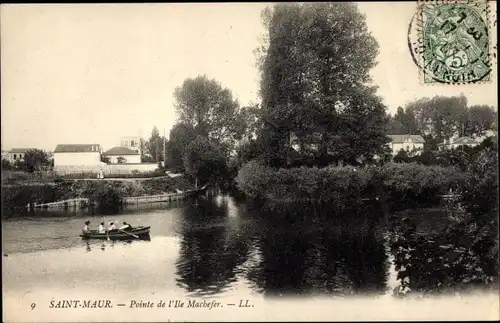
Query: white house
(406, 142)
(77, 155)
(131, 142)
(454, 143)
(127, 155)
(16, 154)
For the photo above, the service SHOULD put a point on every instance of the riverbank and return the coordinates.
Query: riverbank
(392, 185)
(106, 191)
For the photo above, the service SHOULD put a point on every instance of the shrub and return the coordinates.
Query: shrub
(343, 185)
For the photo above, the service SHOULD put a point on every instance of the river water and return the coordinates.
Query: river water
(215, 249)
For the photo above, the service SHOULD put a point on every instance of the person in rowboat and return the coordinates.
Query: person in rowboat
(101, 228)
(126, 226)
(86, 228)
(112, 226)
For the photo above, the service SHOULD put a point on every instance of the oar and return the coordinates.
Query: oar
(133, 235)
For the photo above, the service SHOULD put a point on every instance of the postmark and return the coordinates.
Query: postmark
(450, 43)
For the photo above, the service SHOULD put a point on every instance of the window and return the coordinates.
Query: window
(132, 143)
(15, 156)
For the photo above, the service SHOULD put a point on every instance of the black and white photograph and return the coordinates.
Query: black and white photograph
(209, 162)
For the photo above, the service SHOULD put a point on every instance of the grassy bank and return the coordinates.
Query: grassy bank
(17, 196)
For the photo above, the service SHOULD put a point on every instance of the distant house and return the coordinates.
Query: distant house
(406, 142)
(81, 154)
(486, 135)
(16, 154)
(128, 155)
(132, 142)
(454, 143)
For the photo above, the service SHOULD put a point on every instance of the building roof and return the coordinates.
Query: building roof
(118, 151)
(465, 141)
(19, 150)
(403, 138)
(80, 148)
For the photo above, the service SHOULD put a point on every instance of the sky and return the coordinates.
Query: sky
(92, 73)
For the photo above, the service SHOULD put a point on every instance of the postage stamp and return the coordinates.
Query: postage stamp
(450, 43)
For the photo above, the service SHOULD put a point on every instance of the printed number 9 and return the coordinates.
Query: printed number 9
(33, 305)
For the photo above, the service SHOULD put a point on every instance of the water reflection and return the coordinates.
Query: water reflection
(210, 248)
(221, 240)
(103, 244)
(215, 245)
(320, 260)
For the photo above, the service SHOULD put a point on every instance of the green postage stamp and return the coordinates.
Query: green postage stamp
(453, 41)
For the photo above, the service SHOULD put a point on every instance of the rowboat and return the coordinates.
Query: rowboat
(136, 233)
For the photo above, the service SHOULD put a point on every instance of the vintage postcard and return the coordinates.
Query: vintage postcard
(249, 161)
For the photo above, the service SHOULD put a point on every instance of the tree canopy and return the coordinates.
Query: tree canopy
(34, 159)
(210, 109)
(315, 82)
(443, 117)
(204, 161)
(181, 135)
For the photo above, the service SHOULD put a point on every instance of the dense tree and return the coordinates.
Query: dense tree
(250, 121)
(403, 123)
(443, 117)
(155, 145)
(480, 118)
(401, 157)
(210, 109)
(6, 165)
(181, 135)
(204, 161)
(315, 73)
(440, 118)
(34, 159)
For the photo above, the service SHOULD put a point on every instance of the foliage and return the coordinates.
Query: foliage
(16, 197)
(441, 117)
(403, 122)
(250, 117)
(465, 254)
(154, 147)
(34, 160)
(146, 158)
(108, 197)
(6, 165)
(204, 161)
(181, 136)
(461, 157)
(121, 160)
(110, 193)
(401, 157)
(480, 118)
(210, 109)
(343, 186)
(410, 184)
(18, 177)
(315, 73)
(247, 150)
